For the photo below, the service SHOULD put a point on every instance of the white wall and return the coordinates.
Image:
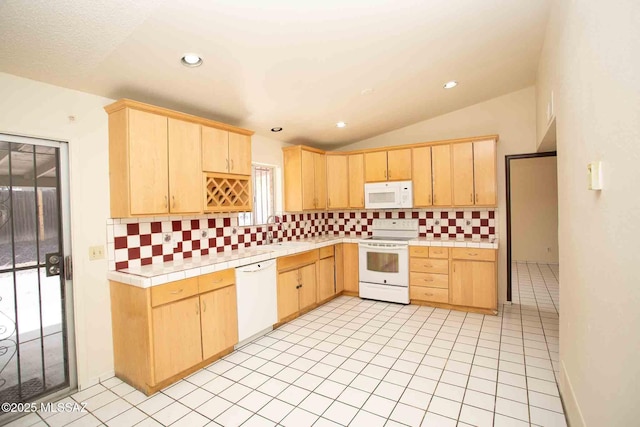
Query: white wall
(534, 210)
(269, 151)
(591, 59)
(512, 116)
(32, 108)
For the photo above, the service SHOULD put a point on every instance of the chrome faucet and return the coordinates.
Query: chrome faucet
(270, 233)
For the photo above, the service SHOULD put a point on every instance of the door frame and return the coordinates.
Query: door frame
(65, 239)
(507, 161)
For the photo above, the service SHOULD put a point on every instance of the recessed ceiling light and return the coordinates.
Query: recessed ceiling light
(367, 91)
(341, 125)
(451, 84)
(191, 60)
(276, 129)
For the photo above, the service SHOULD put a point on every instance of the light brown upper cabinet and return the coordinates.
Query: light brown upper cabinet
(441, 174)
(392, 165)
(337, 181)
(225, 152)
(421, 170)
(474, 173)
(155, 158)
(484, 166)
(305, 179)
(185, 178)
(356, 181)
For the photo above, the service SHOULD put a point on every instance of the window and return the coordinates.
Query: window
(263, 196)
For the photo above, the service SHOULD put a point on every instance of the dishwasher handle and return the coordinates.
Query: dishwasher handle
(260, 266)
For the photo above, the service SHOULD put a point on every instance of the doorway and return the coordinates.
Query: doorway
(532, 230)
(36, 316)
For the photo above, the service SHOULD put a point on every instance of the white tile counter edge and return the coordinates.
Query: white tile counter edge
(158, 274)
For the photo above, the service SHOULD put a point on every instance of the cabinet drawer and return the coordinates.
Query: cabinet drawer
(429, 279)
(419, 251)
(436, 252)
(422, 265)
(326, 251)
(298, 260)
(173, 291)
(474, 254)
(424, 293)
(217, 280)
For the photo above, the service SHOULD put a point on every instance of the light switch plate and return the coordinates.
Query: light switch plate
(96, 252)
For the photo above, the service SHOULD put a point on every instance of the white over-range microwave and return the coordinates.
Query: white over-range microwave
(388, 195)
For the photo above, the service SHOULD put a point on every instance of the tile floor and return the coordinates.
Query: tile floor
(355, 362)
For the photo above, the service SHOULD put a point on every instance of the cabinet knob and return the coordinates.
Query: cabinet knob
(197, 308)
(471, 197)
(385, 173)
(166, 202)
(231, 164)
(173, 201)
(477, 199)
(227, 160)
(204, 306)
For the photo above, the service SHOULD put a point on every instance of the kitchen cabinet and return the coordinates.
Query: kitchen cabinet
(337, 178)
(350, 268)
(392, 165)
(339, 267)
(484, 167)
(421, 176)
(305, 179)
(326, 273)
(225, 152)
(474, 173)
(441, 174)
(176, 337)
(218, 320)
(177, 328)
(297, 287)
(473, 278)
(185, 177)
(356, 181)
(428, 275)
(155, 159)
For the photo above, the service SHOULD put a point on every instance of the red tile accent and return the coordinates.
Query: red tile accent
(122, 265)
(186, 235)
(145, 239)
(227, 222)
(195, 224)
(195, 244)
(120, 242)
(205, 252)
(186, 254)
(176, 225)
(134, 253)
(156, 227)
(167, 258)
(156, 250)
(133, 229)
(145, 261)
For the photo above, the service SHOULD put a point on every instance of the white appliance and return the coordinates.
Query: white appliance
(256, 299)
(388, 195)
(384, 260)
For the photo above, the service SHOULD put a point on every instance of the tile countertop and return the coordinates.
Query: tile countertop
(158, 274)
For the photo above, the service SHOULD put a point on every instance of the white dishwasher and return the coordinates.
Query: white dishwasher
(257, 299)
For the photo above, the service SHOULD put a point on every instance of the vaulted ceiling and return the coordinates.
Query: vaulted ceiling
(301, 65)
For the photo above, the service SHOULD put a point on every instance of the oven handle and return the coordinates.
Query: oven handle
(383, 248)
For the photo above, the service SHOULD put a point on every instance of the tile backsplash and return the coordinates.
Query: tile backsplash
(135, 242)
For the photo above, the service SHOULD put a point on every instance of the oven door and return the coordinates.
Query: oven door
(384, 264)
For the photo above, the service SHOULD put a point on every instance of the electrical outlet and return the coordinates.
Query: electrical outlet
(96, 252)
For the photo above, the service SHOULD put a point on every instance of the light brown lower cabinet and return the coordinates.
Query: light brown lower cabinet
(296, 283)
(350, 267)
(163, 333)
(326, 273)
(463, 278)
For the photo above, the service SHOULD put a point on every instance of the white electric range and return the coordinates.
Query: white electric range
(384, 260)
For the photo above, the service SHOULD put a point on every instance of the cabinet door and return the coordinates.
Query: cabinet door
(219, 320)
(307, 293)
(148, 163)
(185, 177)
(308, 181)
(215, 150)
(356, 181)
(350, 260)
(239, 154)
(473, 284)
(326, 278)
(441, 167)
(287, 293)
(484, 172)
(462, 164)
(337, 179)
(399, 165)
(375, 166)
(339, 267)
(421, 172)
(320, 180)
(176, 337)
